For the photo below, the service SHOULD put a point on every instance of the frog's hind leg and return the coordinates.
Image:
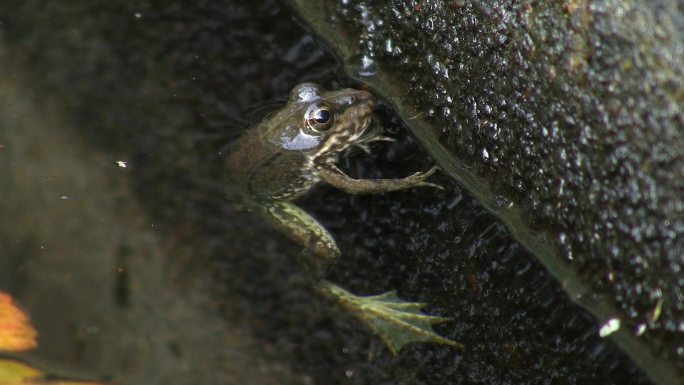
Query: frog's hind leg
(320, 248)
(396, 321)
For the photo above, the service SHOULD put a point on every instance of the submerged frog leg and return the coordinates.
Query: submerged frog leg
(396, 321)
(303, 228)
(334, 176)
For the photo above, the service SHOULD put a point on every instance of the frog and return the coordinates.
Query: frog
(294, 149)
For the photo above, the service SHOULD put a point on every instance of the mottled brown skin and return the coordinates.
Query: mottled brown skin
(279, 159)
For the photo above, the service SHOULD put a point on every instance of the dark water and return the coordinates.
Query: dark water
(146, 274)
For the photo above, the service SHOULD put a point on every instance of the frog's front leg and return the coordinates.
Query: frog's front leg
(396, 321)
(334, 176)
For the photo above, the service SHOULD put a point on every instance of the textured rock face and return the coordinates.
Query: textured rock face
(568, 117)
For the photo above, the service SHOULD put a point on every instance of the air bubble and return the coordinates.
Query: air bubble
(368, 66)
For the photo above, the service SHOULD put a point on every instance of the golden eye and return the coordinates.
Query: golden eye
(320, 117)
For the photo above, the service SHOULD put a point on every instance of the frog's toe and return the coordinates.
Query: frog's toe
(364, 147)
(396, 321)
(383, 138)
(428, 184)
(432, 170)
(419, 179)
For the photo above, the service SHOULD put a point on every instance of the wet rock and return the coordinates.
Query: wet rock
(565, 119)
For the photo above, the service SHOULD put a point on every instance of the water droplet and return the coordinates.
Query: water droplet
(368, 66)
(609, 327)
(389, 46)
(502, 201)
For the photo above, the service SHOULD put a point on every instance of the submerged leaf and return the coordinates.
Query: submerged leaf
(16, 332)
(14, 372)
(16, 335)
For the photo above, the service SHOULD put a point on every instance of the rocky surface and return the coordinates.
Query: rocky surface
(565, 119)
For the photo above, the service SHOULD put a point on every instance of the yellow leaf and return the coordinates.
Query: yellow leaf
(16, 332)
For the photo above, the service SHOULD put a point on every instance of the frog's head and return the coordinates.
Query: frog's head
(324, 123)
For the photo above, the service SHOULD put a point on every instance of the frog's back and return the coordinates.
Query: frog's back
(260, 169)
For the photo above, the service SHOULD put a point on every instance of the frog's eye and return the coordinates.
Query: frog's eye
(320, 117)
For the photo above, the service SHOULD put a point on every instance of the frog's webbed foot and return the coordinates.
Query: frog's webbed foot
(396, 321)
